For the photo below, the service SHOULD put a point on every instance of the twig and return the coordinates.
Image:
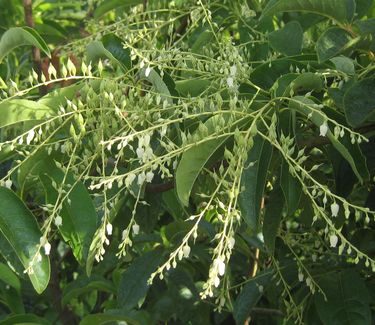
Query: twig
(28, 9)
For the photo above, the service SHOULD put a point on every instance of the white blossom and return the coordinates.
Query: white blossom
(109, 228)
(230, 82)
(140, 152)
(8, 183)
(221, 267)
(216, 281)
(141, 178)
(233, 70)
(135, 228)
(58, 221)
(333, 239)
(47, 248)
(300, 276)
(231, 242)
(147, 71)
(323, 129)
(149, 176)
(30, 136)
(335, 209)
(129, 179)
(186, 251)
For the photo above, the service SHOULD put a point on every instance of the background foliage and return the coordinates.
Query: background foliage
(187, 162)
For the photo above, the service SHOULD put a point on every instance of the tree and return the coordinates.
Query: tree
(187, 162)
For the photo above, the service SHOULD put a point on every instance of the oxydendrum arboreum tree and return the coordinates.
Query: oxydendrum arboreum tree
(187, 162)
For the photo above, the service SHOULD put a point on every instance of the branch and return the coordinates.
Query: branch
(28, 9)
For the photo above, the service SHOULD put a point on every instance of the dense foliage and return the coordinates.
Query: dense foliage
(187, 162)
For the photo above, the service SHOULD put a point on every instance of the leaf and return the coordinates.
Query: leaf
(344, 64)
(272, 218)
(79, 218)
(133, 284)
(254, 180)
(340, 10)
(18, 36)
(250, 295)
(20, 110)
(347, 299)
(24, 319)
(359, 102)
(84, 284)
(98, 319)
(287, 40)
(194, 159)
(8, 277)
(307, 81)
(332, 42)
(291, 188)
(303, 105)
(109, 5)
(192, 87)
(159, 84)
(110, 47)
(21, 230)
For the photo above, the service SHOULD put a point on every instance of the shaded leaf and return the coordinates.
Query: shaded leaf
(250, 295)
(133, 284)
(340, 10)
(21, 230)
(18, 36)
(109, 5)
(21, 110)
(272, 218)
(287, 40)
(254, 180)
(359, 102)
(347, 299)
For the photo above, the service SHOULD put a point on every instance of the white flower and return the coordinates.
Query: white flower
(149, 176)
(335, 209)
(39, 258)
(129, 179)
(30, 136)
(230, 82)
(261, 289)
(147, 71)
(140, 152)
(8, 183)
(58, 221)
(135, 228)
(142, 64)
(186, 251)
(47, 248)
(300, 277)
(333, 239)
(221, 267)
(233, 70)
(109, 228)
(308, 281)
(323, 129)
(141, 178)
(146, 140)
(216, 281)
(231, 242)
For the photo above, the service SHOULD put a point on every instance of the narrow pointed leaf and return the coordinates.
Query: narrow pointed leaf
(19, 227)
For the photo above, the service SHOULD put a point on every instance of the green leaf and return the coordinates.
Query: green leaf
(304, 105)
(291, 188)
(272, 218)
(347, 299)
(79, 218)
(304, 82)
(192, 87)
(133, 285)
(109, 5)
(20, 110)
(21, 230)
(84, 284)
(254, 180)
(159, 84)
(359, 102)
(332, 42)
(344, 64)
(18, 36)
(194, 159)
(24, 319)
(287, 40)
(340, 10)
(98, 319)
(250, 295)
(9, 277)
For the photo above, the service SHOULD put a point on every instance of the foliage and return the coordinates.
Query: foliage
(187, 162)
